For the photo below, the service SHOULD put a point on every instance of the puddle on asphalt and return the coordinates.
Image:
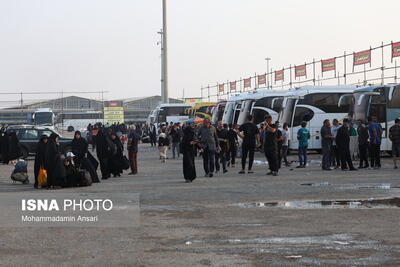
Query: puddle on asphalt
(353, 186)
(169, 208)
(368, 203)
(317, 184)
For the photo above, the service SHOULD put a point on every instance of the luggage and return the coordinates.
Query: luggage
(85, 178)
(125, 163)
(20, 177)
(20, 172)
(42, 177)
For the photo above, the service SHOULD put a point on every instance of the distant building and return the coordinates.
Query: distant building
(79, 108)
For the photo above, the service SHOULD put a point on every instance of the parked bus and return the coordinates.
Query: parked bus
(314, 104)
(201, 110)
(166, 113)
(261, 103)
(232, 109)
(218, 111)
(44, 117)
(381, 101)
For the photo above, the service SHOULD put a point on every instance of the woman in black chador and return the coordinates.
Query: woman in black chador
(40, 157)
(54, 165)
(103, 150)
(80, 149)
(12, 147)
(116, 162)
(188, 150)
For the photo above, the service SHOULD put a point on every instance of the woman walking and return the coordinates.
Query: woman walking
(188, 151)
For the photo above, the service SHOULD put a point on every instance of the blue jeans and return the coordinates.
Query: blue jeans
(303, 156)
(208, 160)
(175, 147)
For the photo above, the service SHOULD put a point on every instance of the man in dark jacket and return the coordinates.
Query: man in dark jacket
(176, 136)
(209, 145)
(220, 156)
(133, 142)
(343, 145)
(233, 144)
(326, 143)
(363, 144)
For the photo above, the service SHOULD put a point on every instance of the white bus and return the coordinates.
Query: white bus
(44, 117)
(218, 111)
(314, 104)
(166, 113)
(381, 101)
(232, 109)
(261, 103)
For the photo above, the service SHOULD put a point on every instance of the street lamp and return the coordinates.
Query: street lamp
(267, 59)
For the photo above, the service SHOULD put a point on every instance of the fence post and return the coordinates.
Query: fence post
(345, 70)
(383, 67)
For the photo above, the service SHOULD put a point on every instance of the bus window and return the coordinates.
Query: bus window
(378, 107)
(395, 101)
(327, 102)
(259, 115)
(302, 114)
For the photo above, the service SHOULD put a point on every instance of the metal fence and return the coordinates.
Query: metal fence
(375, 65)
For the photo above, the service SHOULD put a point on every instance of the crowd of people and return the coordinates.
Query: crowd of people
(219, 145)
(77, 167)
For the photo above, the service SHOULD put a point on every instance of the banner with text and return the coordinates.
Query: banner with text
(262, 79)
(232, 86)
(361, 58)
(300, 71)
(247, 83)
(396, 49)
(279, 75)
(113, 112)
(221, 87)
(328, 64)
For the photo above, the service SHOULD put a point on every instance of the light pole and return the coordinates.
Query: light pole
(165, 54)
(267, 59)
(161, 43)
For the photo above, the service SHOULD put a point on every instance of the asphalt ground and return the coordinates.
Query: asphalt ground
(227, 220)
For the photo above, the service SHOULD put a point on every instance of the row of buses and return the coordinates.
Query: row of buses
(312, 104)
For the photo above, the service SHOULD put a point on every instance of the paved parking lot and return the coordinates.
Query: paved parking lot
(228, 220)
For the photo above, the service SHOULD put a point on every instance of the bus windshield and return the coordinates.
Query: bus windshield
(245, 111)
(361, 103)
(287, 112)
(166, 112)
(229, 112)
(44, 118)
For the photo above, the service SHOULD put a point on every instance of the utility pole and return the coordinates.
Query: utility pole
(267, 59)
(165, 97)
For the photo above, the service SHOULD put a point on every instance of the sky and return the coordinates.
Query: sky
(104, 45)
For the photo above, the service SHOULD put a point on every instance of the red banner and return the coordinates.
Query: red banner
(361, 58)
(262, 79)
(300, 71)
(247, 83)
(279, 75)
(232, 86)
(221, 87)
(328, 64)
(396, 49)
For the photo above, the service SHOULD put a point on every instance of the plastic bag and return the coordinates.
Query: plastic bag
(42, 177)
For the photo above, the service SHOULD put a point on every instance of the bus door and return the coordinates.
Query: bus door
(377, 108)
(304, 113)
